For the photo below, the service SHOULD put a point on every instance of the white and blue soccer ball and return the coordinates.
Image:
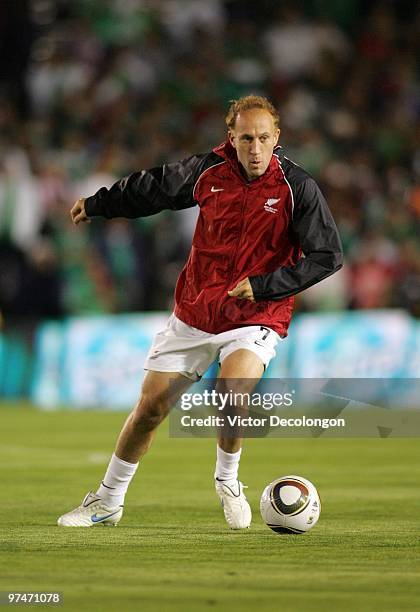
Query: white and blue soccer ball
(290, 504)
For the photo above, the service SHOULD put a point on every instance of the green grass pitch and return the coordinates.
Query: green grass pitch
(172, 551)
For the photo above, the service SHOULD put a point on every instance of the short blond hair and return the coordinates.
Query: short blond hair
(247, 103)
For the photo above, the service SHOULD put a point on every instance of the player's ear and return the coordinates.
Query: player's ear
(231, 138)
(277, 136)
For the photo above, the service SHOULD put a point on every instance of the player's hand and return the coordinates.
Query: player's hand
(78, 213)
(243, 291)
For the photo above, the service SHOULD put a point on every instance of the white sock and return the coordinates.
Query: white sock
(227, 465)
(116, 480)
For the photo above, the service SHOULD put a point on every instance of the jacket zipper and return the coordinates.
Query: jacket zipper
(228, 284)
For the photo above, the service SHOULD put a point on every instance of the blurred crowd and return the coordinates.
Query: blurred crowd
(92, 90)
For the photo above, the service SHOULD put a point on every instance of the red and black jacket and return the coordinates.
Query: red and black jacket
(277, 230)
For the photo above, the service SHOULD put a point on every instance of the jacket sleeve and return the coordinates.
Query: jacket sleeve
(320, 242)
(148, 192)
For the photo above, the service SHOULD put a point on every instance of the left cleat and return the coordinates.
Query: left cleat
(92, 511)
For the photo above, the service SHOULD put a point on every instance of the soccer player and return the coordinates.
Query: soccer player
(264, 233)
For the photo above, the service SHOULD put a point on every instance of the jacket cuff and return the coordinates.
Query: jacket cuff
(92, 207)
(257, 284)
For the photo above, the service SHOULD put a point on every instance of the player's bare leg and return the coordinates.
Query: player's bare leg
(160, 392)
(240, 372)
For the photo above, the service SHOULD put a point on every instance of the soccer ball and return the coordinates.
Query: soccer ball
(290, 504)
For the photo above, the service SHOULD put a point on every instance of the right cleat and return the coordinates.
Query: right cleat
(92, 511)
(234, 503)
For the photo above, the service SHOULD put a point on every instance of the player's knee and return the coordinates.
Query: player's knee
(149, 413)
(236, 390)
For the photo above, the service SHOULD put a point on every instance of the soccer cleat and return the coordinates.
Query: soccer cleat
(92, 511)
(234, 503)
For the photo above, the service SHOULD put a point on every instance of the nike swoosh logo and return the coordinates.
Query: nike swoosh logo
(98, 519)
(213, 189)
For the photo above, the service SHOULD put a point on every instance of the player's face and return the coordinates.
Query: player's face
(254, 137)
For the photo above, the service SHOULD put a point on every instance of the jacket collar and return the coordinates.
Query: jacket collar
(228, 153)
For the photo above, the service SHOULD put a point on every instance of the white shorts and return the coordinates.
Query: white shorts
(190, 351)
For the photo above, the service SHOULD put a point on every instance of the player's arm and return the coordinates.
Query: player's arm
(320, 243)
(144, 193)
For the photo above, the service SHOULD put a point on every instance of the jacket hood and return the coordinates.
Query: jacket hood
(228, 153)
